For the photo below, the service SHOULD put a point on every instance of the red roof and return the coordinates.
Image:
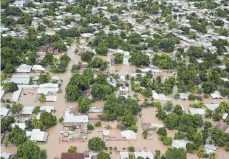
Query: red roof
(75, 155)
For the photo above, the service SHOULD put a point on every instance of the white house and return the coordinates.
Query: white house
(20, 125)
(199, 111)
(4, 111)
(124, 155)
(20, 79)
(16, 95)
(157, 96)
(212, 107)
(144, 154)
(129, 135)
(37, 135)
(216, 95)
(179, 144)
(48, 88)
(74, 120)
(23, 68)
(210, 148)
(184, 96)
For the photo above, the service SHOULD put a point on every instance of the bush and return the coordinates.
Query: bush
(90, 127)
(98, 124)
(167, 140)
(72, 149)
(162, 132)
(131, 149)
(96, 144)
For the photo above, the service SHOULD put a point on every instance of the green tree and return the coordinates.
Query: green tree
(10, 87)
(48, 119)
(118, 58)
(102, 49)
(174, 153)
(44, 78)
(16, 108)
(223, 107)
(201, 152)
(171, 121)
(30, 150)
(96, 144)
(42, 98)
(72, 149)
(84, 104)
(139, 59)
(103, 155)
(99, 91)
(162, 132)
(17, 136)
(87, 56)
(131, 149)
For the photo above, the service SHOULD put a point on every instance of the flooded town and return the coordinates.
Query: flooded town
(114, 79)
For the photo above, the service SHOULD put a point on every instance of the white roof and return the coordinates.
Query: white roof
(124, 155)
(128, 134)
(74, 118)
(157, 125)
(216, 94)
(16, 95)
(96, 109)
(5, 155)
(2, 91)
(38, 135)
(23, 68)
(51, 98)
(210, 148)
(212, 107)
(123, 88)
(184, 95)
(47, 108)
(225, 116)
(27, 110)
(157, 96)
(4, 111)
(38, 68)
(20, 79)
(48, 88)
(199, 111)
(20, 125)
(144, 154)
(106, 133)
(179, 143)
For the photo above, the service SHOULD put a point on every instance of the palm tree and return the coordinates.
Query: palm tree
(212, 155)
(223, 107)
(201, 152)
(42, 98)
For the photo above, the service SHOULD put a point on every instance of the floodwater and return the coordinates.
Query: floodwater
(55, 147)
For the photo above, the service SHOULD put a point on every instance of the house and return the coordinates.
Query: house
(51, 98)
(27, 110)
(23, 68)
(123, 89)
(157, 96)
(42, 50)
(48, 109)
(106, 133)
(149, 126)
(179, 144)
(16, 95)
(216, 95)
(184, 96)
(74, 155)
(2, 92)
(199, 111)
(37, 135)
(4, 112)
(212, 107)
(128, 135)
(210, 148)
(144, 154)
(20, 79)
(20, 125)
(38, 68)
(48, 88)
(5, 155)
(94, 109)
(19, 3)
(124, 155)
(74, 120)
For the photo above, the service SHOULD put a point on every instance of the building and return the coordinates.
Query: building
(5, 155)
(48, 88)
(76, 155)
(38, 68)
(23, 68)
(212, 107)
(27, 110)
(51, 98)
(19, 3)
(128, 135)
(144, 154)
(180, 144)
(210, 148)
(74, 120)
(20, 125)
(216, 95)
(20, 79)
(4, 112)
(124, 155)
(37, 135)
(199, 111)
(184, 96)
(157, 96)
(16, 95)
(150, 126)
(123, 89)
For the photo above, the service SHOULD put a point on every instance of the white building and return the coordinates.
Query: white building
(129, 135)
(20, 79)
(144, 154)
(157, 96)
(199, 111)
(180, 144)
(48, 88)
(216, 95)
(23, 68)
(212, 107)
(124, 155)
(210, 148)
(4, 111)
(37, 135)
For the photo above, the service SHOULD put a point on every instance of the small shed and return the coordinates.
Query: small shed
(129, 135)
(216, 95)
(124, 155)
